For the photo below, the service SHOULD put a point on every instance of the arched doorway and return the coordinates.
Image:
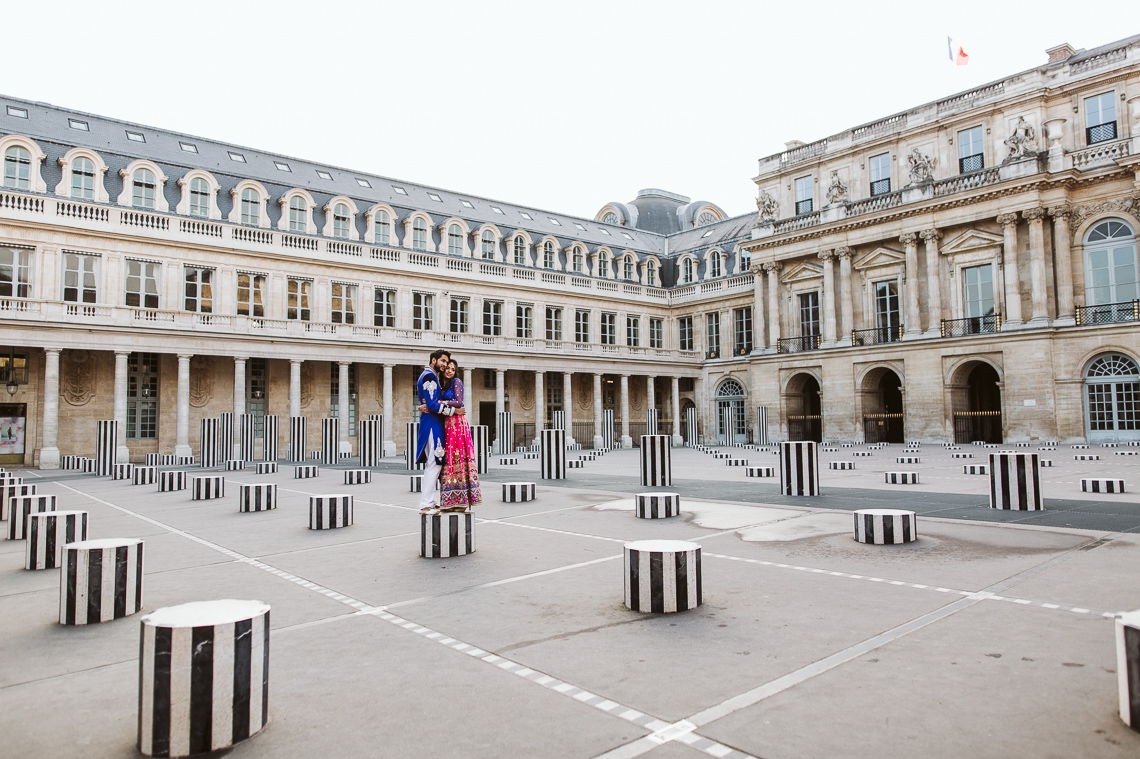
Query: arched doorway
(805, 421)
(977, 404)
(731, 425)
(1112, 399)
(882, 407)
(686, 404)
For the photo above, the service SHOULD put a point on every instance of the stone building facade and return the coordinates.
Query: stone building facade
(966, 269)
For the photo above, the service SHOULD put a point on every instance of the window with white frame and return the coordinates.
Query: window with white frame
(298, 214)
(454, 240)
(685, 333)
(423, 312)
(17, 168)
(633, 330)
(299, 306)
(250, 206)
(419, 234)
(382, 228)
(688, 269)
(887, 317)
(742, 331)
(656, 333)
(578, 260)
(487, 245)
(880, 173)
(250, 294)
(343, 303)
(809, 313)
(554, 324)
(581, 326)
(1110, 264)
(459, 316)
(970, 153)
(547, 255)
(978, 291)
(83, 179)
(384, 308)
(334, 394)
(627, 269)
(198, 289)
(141, 285)
(15, 273)
(520, 251)
(712, 334)
(524, 321)
(142, 396)
(715, 265)
(341, 219)
(651, 274)
(80, 278)
(492, 318)
(609, 328)
(1100, 118)
(805, 195)
(143, 188)
(705, 218)
(199, 197)
(603, 266)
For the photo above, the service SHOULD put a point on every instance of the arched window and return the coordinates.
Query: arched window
(487, 241)
(730, 388)
(1110, 265)
(651, 274)
(419, 234)
(340, 221)
(250, 206)
(83, 179)
(603, 266)
(143, 188)
(714, 265)
(199, 197)
(705, 218)
(520, 251)
(454, 240)
(382, 228)
(578, 259)
(687, 270)
(1113, 392)
(627, 268)
(17, 168)
(610, 218)
(298, 214)
(548, 255)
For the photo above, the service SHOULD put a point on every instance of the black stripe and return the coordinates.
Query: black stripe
(142, 682)
(1022, 485)
(469, 528)
(453, 535)
(1132, 671)
(907, 521)
(94, 585)
(72, 577)
(868, 528)
(138, 575)
(265, 671)
(424, 550)
(436, 538)
(160, 731)
(1006, 499)
(201, 688)
(33, 538)
(120, 581)
(656, 581)
(888, 529)
(243, 666)
(681, 569)
(634, 579)
(700, 584)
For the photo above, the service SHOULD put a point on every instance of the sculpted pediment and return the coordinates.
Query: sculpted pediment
(801, 271)
(971, 239)
(881, 256)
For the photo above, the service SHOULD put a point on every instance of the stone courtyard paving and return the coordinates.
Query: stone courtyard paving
(990, 636)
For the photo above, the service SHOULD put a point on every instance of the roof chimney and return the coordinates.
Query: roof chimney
(1060, 53)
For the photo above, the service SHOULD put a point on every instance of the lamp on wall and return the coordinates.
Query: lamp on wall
(257, 395)
(11, 387)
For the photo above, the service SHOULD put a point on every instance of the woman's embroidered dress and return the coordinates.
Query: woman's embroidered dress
(459, 483)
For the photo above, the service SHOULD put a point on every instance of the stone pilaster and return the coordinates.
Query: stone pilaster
(1063, 265)
(1012, 317)
(49, 451)
(913, 310)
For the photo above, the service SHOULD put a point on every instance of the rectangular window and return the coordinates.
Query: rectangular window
(300, 293)
(712, 333)
(887, 317)
(970, 156)
(656, 334)
(488, 379)
(334, 394)
(141, 285)
(384, 308)
(343, 303)
(80, 278)
(257, 393)
(250, 294)
(553, 324)
(524, 322)
(199, 198)
(1100, 118)
(609, 328)
(809, 314)
(1111, 274)
(632, 331)
(880, 174)
(492, 318)
(979, 290)
(554, 397)
(142, 396)
(581, 326)
(804, 195)
(685, 333)
(458, 324)
(742, 331)
(15, 273)
(651, 274)
(199, 289)
(423, 312)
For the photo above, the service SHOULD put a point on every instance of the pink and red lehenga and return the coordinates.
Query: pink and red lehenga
(459, 481)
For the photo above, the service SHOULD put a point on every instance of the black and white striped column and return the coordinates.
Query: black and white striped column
(297, 425)
(357, 476)
(259, 497)
(246, 439)
(799, 468)
(448, 534)
(691, 436)
(413, 433)
(11, 487)
(235, 465)
(900, 478)
(481, 441)
(504, 432)
(1015, 483)
(170, 481)
(210, 445)
(100, 580)
(885, 526)
(553, 455)
(760, 471)
(415, 483)
(122, 471)
(330, 441)
(207, 487)
(1102, 485)
(975, 469)
(203, 677)
(106, 446)
(651, 421)
(656, 461)
(270, 440)
(1128, 667)
(227, 434)
(144, 475)
(841, 465)
(70, 462)
(328, 512)
(20, 507)
(607, 429)
(517, 492)
(48, 532)
(657, 505)
(306, 471)
(266, 467)
(558, 420)
(662, 576)
(762, 425)
(370, 438)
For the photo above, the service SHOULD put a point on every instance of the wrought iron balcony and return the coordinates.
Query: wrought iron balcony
(971, 325)
(1109, 313)
(798, 344)
(880, 187)
(1100, 133)
(975, 162)
(877, 335)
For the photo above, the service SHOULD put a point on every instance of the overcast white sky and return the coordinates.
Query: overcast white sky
(563, 106)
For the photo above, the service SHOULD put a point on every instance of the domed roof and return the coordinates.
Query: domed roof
(657, 210)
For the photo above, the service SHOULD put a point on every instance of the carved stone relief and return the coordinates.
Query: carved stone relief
(921, 167)
(76, 382)
(526, 392)
(767, 206)
(585, 392)
(1116, 205)
(306, 383)
(837, 191)
(1022, 142)
(201, 380)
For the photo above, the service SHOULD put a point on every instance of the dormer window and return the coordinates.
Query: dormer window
(487, 242)
(340, 221)
(298, 214)
(520, 251)
(419, 234)
(627, 269)
(714, 265)
(143, 188)
(687, 270)
(548, 255)
(651, 274)
(454, 240)
(199, 197)
(250, 206)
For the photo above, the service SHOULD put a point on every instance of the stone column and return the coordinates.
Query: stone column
(500, 392)
(539, 404)
(1039, 290)
(773, 270)
(913, 312)
(930, 238)
(626, 440)
(568, 405)
(343, 401)
(386, 410)
(122, 453)
(295, 387)
(1063, 265)
(650, 393)
(1012, 317)
(49, 451)
(847, 308)
(676, 391)
(239, 403)
(182, 413)
(828, 297)
(598, 442)
(759, 331)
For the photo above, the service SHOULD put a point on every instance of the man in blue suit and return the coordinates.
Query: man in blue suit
(430, 449)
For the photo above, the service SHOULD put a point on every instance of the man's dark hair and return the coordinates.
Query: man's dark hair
(435, 354)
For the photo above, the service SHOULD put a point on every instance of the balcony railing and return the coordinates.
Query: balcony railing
(975, 162)
(971, 325)
(1100, 133)
(798, 344)
(1109, 313)
(876, 335)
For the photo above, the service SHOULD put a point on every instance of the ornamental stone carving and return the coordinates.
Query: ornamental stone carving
(921, 167)
(201, 380)
(844, 252)
(306, 383)
(76, 384)
(526, 396)
(767, 206)
(931, 234)
(1033, 214)
(826, 255)
(1130, 205)
(635, 396)
(1007, 219)
(910, 238)
(772, 267)
(585, 393)
(1061, 212)
(836, 191)
(1022, 143)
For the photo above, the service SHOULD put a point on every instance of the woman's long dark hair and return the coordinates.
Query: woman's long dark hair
(446, 383)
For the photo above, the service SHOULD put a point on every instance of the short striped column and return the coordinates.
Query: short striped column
(20, 507)
(370, 434)
(1128, 667)
(297, 426)
(257, 497)
(481, 441)
(517, 492)
(504, 431)
(449, 533)
(651, 420)
(885, 526)
(88, 465)
(357, 476)
(760, 471)
(100, 580)
(226, 435)
(553, 455)
(330, 441)
(209, 445)
(11, 487)
(1102, 485)
(122, 471)
(509, 461)
(207, 487)
(413, 433)
(144, 475)
(203, 677)
(841, 465)
(266, 467)
(657, 505)
(656, 461)
(416, 483)
(908, 460)
(306, 471)
(328, 512)
(662, 576)
(961, 455)
(900, 478)
(730, 461)
(1087, 457)
(269, 442)
(608, 429)
(799, 468)
(235, 465)
(48, 532)
(171, 481)
(246, 439)
(71, 463)
(762, 425)
(692, 436)
(1015, 482)
(975, 469)
(106, 446)
(184, 461)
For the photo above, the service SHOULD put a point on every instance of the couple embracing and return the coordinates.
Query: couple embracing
(444, 443)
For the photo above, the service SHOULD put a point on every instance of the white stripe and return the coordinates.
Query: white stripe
(222, 729)
(146, 690)
(181, 645)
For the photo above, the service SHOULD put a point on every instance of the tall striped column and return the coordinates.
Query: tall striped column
(504, 432)
(608, 429)
(480, 437)
(656, 461)
(1015, 483)
(558, 420)
(371, 440)
(269, 444)
(330, 441)
(225, 436)
(762, 425)
(209, 444)
(799, 468)
(692, 438)
(246, 438)
(106, 446)
(413, 435)
(203, 677)
(553, 454)
(651, 421)
(297, 438)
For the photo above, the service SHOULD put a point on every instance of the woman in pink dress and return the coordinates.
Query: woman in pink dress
(459, 481)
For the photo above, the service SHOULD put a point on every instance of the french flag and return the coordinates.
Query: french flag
(959, 58)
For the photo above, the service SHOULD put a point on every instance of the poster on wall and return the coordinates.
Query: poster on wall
(11, 435)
